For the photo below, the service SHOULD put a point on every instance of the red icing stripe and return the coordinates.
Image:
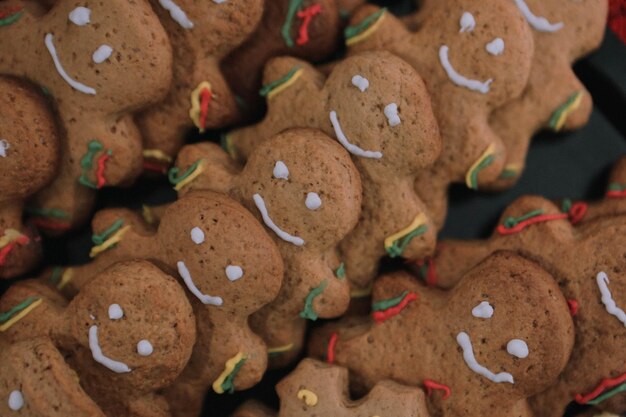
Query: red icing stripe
(431, 385)
(307, 15)
(604, 384)
(383, 315)
(330, 351)
(205, 100)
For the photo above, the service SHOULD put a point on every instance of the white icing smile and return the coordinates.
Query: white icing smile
(204, 298)
(539, 23)
(260, 204)
(464, 341)
(49, 41)
(353, 149)
(607, 299)
(177, 13)
(98, 356)
(458, 79)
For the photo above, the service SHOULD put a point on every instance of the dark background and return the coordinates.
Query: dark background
(574, 165)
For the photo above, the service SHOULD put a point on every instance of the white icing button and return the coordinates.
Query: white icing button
(281, 171)
(197, 235)
(80, 16)
(360, 82)
(313, 201)
(517, 348)
(4, 145)
(495, 47)
(484, 310)
(16, 400)
(391, 112)
(144, 348)
(115, 312)
(467, 22)
(234, 272)
(102, 54)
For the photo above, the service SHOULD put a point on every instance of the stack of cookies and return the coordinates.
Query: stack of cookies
(307, 142)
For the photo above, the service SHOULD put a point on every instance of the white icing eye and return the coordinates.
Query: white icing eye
(313, 201)
(234, 272)
(219, 1)
(391, 111)
(360, 82)
(115, 312)
(197, 235)
(495, 47)
(80, 16)
(102, 54)
(467, 22)
(16, 400)
(4, 145)
(144, 348)
(484, 310)
(281, 172)
(517, 348)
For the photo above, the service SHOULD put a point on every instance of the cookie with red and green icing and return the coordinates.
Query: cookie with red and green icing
(503, 334)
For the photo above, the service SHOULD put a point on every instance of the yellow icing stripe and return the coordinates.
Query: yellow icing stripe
(285, 85)
(199, 170)
(67, 276)
(280, 349)
(309, 397)
(228, 368)
(468, 176)
(195, 110)
(19, 316)
(361, 292)
(157, 154)
(419, 220)
(9, 236)
(565, 111)
(113, 240)
(146, 212)
(366, 33)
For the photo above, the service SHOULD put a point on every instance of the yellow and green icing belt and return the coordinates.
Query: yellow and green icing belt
(365, 28)
(108, 238)
(179, 181)
(397, 243)
(17, 313)
(486, 159)
(274, 88)
(60, 277)
(224, 382)
(559, 117)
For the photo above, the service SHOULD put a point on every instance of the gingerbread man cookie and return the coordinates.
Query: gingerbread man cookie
(127, 334)
(377, 107)
(29, 156)
(304, 187)
(586, 262)
(98, 61)
(475, 56)
(503, 334)
(202, 34)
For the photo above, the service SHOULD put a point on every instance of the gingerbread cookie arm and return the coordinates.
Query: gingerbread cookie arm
(614, 202)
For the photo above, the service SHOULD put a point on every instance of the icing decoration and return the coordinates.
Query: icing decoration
(573, 307)
(308, 397)
(330, 350)
(80, 16)
(110, 242)
(467, 22)
(386, 309)
(234, 272)
(197, 235)
(227, 144)
(4, 145)
(281, 171)
(115, 312)
(360, 82)
(605, 384)
(353, 149)
(308, 312)
(186, 177)
(340, 272)
(361, 292)
(260, 205)
(219, 1)
(616, 190)
(495, 47)
(274, 88)
(155, 167)
(16, 400)
(431, 385)
(307, 16)
(607, 299)
(365, 28)
(285, 31)
(100, 180)
(391, 112)
(468, 355)
(49, 41)
(458, 79)
(471, 177)
(204, 298)
(10, 15)
(98, 356)
(201, 98)
(510, 171)
(60, 277)
(144, 348)
(157, 154)
(560, 115)
(539, 23)
(484, 310)
(17, 313)
(517, 348)
(427, 271)
(86, 164)
(8, 241)
(67, 276)
(102, 54)
(512, 225)
(224, 382)
(102, 237)
(279, 350)
(177, 13)
(397, 242)
(43, 218)
(313, 201)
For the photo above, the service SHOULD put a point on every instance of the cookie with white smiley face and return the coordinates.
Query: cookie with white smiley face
(98, 62)
(474, 56)
(304, 188)
(587, 262)
(503, 334)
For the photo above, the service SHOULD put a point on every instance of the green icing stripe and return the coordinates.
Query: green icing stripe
(607, 395)
(6, 316)
(556, 116)
(474, 175)
(294, 6)
(392, 302)
(616, 187)
(267, 88)
(86, 163)
(102, 237)
(510, 222)
(174, 171)
(228, 385)
(352, 31)
(308, 312)
(400, 245)
(41, 212)
(9, 20)
(341, 271)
